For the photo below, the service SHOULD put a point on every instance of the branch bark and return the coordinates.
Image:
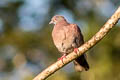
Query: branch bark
(85, 47)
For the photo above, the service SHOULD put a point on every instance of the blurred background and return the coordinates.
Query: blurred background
(26, 46)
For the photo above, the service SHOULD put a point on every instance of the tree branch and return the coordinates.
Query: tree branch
(82, 49)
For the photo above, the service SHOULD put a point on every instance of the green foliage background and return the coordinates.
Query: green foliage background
(26, 46)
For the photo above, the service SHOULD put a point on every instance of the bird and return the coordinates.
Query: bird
(67, 38)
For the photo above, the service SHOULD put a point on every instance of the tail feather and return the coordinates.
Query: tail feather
(81, 64)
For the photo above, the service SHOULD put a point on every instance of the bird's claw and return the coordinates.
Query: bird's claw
(76, 50)
(61, 58)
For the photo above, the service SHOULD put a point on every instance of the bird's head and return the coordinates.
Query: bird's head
(57, 19)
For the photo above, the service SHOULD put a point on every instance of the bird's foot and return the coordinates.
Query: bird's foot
(76, 50)
(61, 58)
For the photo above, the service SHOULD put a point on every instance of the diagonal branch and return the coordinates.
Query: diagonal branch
(85, 47)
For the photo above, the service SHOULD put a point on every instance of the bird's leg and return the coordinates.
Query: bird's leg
(61, 58)
(76, 50)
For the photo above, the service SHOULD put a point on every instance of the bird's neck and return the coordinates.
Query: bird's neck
(62, 23)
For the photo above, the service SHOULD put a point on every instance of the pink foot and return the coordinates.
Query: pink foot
(76, 50)
(61, 58)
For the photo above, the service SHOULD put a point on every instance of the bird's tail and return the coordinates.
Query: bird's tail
(81, 64)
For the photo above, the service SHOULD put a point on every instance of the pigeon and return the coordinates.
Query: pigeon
(67, 38)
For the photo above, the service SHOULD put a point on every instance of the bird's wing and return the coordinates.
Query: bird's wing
(80, 62)
(76, 35)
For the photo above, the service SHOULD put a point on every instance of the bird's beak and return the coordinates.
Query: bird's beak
(51, 22)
